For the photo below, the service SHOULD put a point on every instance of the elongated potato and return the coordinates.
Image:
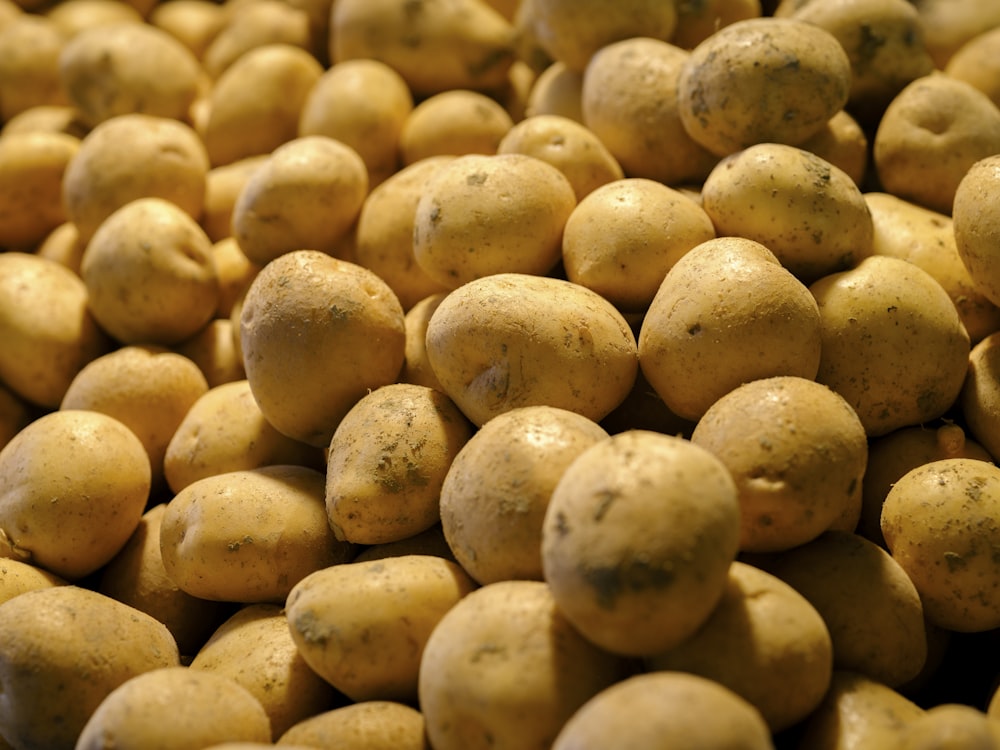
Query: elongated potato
(368, 725)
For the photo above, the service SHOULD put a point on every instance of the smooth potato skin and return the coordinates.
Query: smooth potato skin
(977, 225)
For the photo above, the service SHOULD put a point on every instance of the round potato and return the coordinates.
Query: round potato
(254, 25)
(490, 214)
(368, 725)
(978, 62)
(511, 340)
(453, 123)
(18, 577)
(363, 626)
(194, 23)
(73, 486)
(796, 451)
(726, 313)
(213, 351)
(556, 90)
(416, 367)
(762, 80)
(223, 185)
(256, 533)
(843, 143)
(976, 225)
(304, 384)
(30, 45)
(65, 648)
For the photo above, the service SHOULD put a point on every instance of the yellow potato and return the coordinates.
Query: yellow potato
(74, 487)
(249, 536)
(30, 45)
(75, 16)
(63, 245)
(505, 668)
(55, 118)
(46, 326)
(416, 366)
(797, 453)
(978, 62)
(948, 24)
(951, 725)
(489, 214)
(256, 24)
(18, 577)
(492, 510)
(194, 23)
(726, 313)
(976, 224)
(304, 384)
(979, 399)
(223, 185)
(511, 340)
(213, 350)
(430, 542)
(762, 80)
(453, 123)
(65, 648)
(556, 90)
(843, 143)
(363, 626)
(233, 270)
(698, 21)
(368, 725)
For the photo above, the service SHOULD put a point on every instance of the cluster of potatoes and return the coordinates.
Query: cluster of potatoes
(499, 374)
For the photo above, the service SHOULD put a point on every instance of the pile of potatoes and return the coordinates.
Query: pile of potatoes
(508, 374)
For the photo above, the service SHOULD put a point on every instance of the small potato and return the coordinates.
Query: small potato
(489, 214)
(18, 577)
(304, 384)
(213, 350)
(63, 245)
(147, 388)
(572, 148)
(195, 707)
(364, 104)
(843, 143)
(149, 274)
(384, 233)
(73, 486)
(893, 343)
(99, 179)
(511, 340)
(30, 46)
(696, 22)
(249, 536)
(233, 270)
(453, 123)
(254, 648)
(51, 118)
(64, 649)
(223, 185)
(225, 431)
(939, 523)
(642, 131)
(194, 23)
(949, 24)
(255, 104)
(46, 326)
(363, 626)
(805, 210)
(980, 396)
(417, 367)
(797, 453)
(492, 509)
(505, 669)
(15, 415)
(637, 540)
(556, 90)
(950, 724)
(307, 194)
(31, 171)
(978, 62)
(976, 225)
(765, 642)
(430, 542)
(762, 80)
(664, 709)
(725, 314)
(256, 24)
(930, 135)
(368, 725)
(75, 16)
(387, 461)
(124, 67)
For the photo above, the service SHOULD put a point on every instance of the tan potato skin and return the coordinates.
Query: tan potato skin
(368, 725)
(976, 225)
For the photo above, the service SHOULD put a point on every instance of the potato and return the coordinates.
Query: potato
(31, 171)
(98, 180)
(149, 274)
(201, 708)
(416, 367)
(136, 577)
(63, 245)
(637, 540)
(30, 45)
(930, 135)
(255, 105)
(147, 388)
(124, 67)
(74, 486)
(952, 724)
(698, 21)
(213, 350)
(511, 340)
(893, 344)
(495, 494)
(927, 238)
(363, 626)
(224, 431)
(233, 270)
(806, 211)
(453, 123)
(75, 16)
(255, 649)
(473, 44)
(223, 185)
(248, 536)
(978, 62)
(15, 414)
(663, 709)
(762, 80)
(868, 602)
(52, 118)
(979, 400)
(556, 90)
(976, 224)
(334, 307)
(429, 542)
(255, 25)
(643, 132)
(843, 143)
(505, 669)
(18, 577)
(951, 23)
(64, 649)
(387, 461)
(384, 232)
(797, 453)
(726, 313)
(307, 194)
(364, 104)
(939, 523)
(194, 23)
(368, 725)
(46, 326)
(489, 214)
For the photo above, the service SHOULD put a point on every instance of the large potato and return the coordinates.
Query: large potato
(511, 340)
